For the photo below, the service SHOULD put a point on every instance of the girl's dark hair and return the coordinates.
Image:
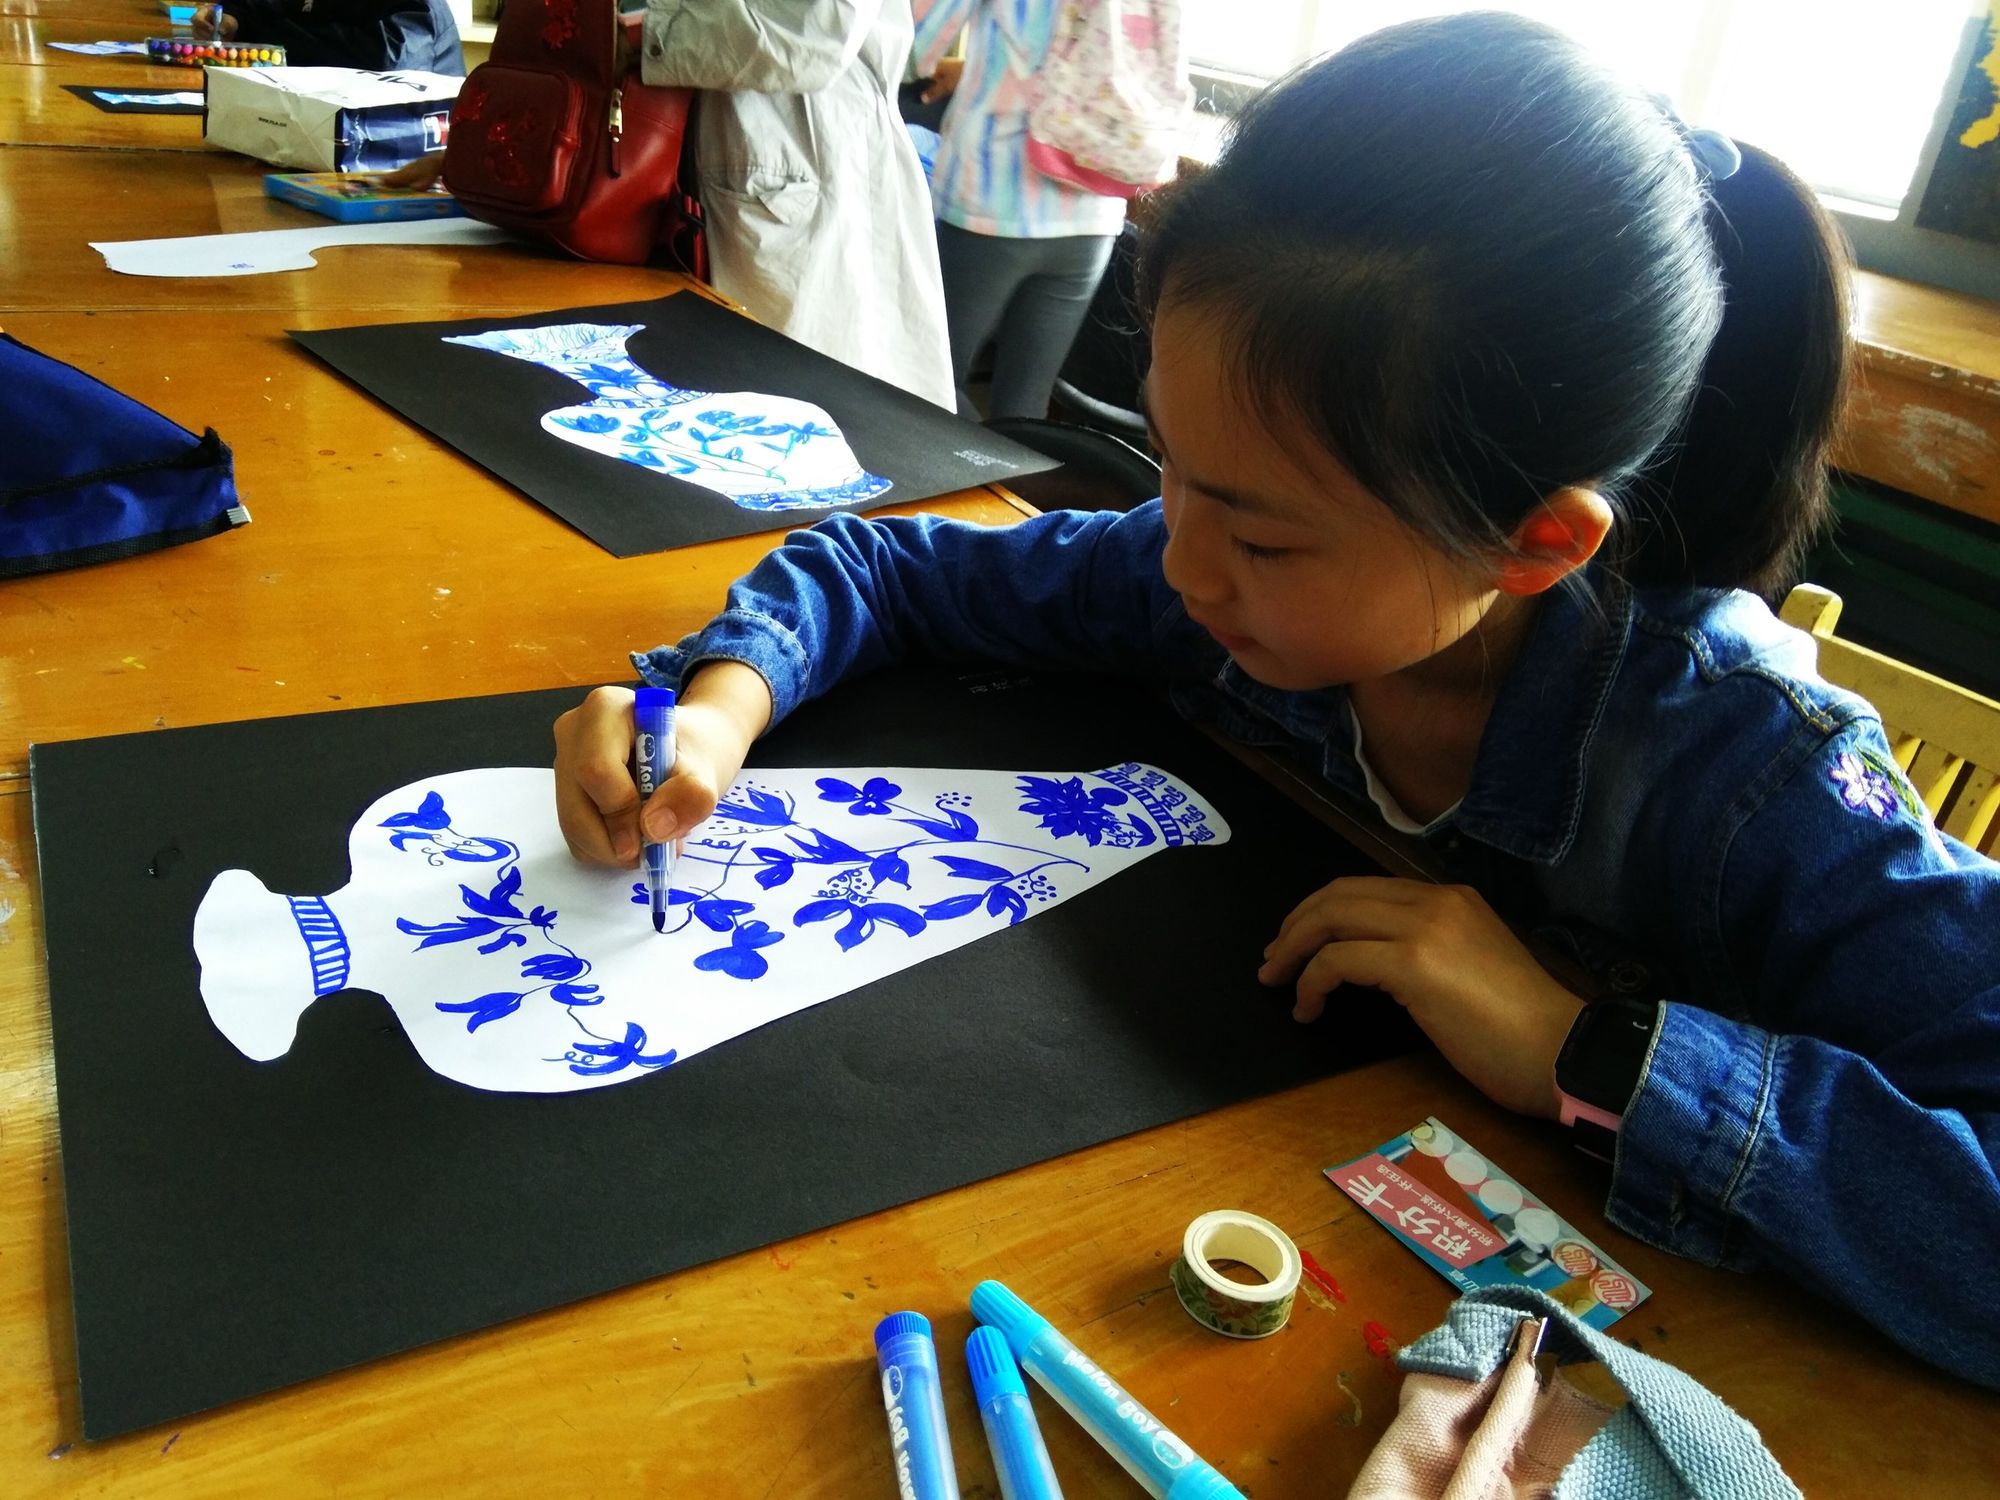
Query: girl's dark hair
(1479, 268)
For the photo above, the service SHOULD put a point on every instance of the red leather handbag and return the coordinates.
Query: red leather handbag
(549, 139)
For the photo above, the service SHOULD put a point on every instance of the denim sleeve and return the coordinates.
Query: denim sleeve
(1076, 589)
(1847, 1129)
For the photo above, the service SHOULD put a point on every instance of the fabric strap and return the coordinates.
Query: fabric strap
(1674, 1437)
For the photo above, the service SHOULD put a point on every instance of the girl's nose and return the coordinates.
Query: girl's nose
(1194, 553)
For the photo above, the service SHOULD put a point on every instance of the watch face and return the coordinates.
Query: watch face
(1601, 1061)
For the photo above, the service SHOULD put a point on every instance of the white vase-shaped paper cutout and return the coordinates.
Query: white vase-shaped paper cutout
(513, 967)
(761, 451)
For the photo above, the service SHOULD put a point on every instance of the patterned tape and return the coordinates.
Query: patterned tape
(1212, 1299)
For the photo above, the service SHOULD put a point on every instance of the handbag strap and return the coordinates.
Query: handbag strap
(1673, 1437)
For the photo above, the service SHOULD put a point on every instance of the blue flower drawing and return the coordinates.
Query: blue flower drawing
(493, 917)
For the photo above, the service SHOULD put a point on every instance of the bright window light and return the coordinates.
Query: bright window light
(1843, 90)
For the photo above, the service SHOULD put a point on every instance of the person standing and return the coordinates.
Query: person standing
(818, 219)
(1021, 252)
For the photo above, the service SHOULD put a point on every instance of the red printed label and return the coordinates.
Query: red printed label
(1417, 1214)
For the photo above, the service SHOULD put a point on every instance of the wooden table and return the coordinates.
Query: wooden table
(35, 109)
(24, 40)
(382, 568)
(1925, 416)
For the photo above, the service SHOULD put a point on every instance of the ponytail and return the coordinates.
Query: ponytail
(1739, 494)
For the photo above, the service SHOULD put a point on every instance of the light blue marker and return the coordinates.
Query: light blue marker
(914, 1399)
(1167, 1467)
(1019, 1454)
(652, 764)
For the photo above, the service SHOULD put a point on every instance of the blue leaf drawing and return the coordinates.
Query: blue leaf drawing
(557, 966)
(972, 869)
(951, 825)
(856, 931)
(749, 805)
(720, 914)
(1004, 898)
(498, 902)
(542, 917)
(954, 906)
(586, 421)
(824, 849)
(819, 911)
(488, 851)
(511, 938)
(896, 916)
(614, 1057)
(775, 874)
(486, 1008)
(888, 867)
(430, 814)
(642, 897)
(576, 994)
(448, 932)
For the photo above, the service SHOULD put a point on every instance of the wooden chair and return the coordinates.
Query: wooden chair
(1946, 738)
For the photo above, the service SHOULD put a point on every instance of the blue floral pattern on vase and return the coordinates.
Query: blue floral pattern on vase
(513, 967)
(761, 451)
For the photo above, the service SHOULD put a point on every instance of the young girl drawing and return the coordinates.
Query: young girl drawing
(1489, 398)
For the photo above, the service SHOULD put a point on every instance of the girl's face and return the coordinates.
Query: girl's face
(1305, 578)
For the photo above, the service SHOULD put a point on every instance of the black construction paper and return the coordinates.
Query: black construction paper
(164, 103)
(489, 407)
(237, 1226)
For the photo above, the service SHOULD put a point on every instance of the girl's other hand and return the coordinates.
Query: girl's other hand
(721, 713)
(1495, 1013)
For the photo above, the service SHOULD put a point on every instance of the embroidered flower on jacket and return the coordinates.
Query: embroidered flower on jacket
(1864, 788)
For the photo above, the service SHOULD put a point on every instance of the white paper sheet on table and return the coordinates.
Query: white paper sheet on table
(265, 250)
(101, 49)
(515, 968)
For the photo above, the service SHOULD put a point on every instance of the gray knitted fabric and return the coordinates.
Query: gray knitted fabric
(1674, 1439)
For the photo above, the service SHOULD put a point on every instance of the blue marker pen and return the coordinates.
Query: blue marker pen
(652, 764)
(915, 1402)
(1167, 1467)
(1019, 1454)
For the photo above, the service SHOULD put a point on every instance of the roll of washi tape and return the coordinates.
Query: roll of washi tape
(1231, 1307)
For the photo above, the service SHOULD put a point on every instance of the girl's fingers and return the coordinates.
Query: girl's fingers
(597, 802)
(1370, 963)
(683, 800)
(1336, 916)
(1376, 887)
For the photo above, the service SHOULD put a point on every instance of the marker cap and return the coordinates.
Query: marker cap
(653, 698)
(994, 1372)
(897, 1323)
(995, 1305)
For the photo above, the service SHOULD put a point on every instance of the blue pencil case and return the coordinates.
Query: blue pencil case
(91, 475)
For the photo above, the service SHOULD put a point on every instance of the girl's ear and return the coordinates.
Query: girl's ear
(1554, 540)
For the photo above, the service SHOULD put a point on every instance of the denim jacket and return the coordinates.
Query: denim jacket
(1664, 779)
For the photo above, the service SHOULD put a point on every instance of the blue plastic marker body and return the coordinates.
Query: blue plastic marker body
(1167, 1467)
(911, 1394)
(1019, 1455)
(652, 764)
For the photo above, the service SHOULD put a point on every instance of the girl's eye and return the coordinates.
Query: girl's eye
(1259, 554)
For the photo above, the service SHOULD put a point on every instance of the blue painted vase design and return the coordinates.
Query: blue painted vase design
(762, 452)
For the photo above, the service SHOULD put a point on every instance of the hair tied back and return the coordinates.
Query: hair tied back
(1715, 153)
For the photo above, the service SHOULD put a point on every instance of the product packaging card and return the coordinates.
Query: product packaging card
(1476, 1226)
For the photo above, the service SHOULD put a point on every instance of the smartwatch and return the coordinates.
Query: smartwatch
(1598, 1069)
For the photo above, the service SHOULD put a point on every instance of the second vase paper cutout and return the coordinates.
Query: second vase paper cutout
(512, 967)
(761, 451)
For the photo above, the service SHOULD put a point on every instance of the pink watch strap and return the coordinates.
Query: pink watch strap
(1574, 1109)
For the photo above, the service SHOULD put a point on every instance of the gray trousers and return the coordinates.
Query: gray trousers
(1028, 297)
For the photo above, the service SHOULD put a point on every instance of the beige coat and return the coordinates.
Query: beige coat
(819, 219)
